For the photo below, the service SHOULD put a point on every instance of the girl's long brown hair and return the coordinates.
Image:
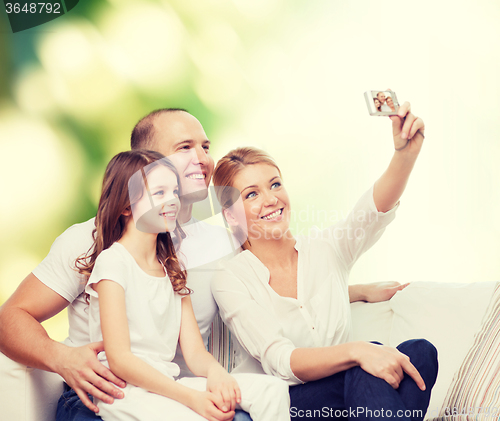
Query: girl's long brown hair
(110, 222)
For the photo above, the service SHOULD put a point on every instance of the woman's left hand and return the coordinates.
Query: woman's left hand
(408, 130)
(221, 383)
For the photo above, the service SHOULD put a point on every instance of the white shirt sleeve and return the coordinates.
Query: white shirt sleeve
(109, 265)
(254, 326)
(57, 270)
(361, 229)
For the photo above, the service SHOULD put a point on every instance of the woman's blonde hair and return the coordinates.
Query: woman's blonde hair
(226, 171)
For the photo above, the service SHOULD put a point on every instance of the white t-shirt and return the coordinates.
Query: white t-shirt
(268, 326)
(58, 272)
(153, 309)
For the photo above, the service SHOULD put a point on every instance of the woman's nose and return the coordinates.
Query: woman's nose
(270, 199)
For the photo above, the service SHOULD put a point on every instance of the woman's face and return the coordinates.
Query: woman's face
(156, 211)
(389, 102)
(264, 206)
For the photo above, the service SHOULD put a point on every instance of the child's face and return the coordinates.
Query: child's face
(156, 211)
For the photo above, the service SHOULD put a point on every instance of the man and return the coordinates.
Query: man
(54, 285)
(381, 97)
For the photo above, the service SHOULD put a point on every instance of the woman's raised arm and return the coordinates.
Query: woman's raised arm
(408, 132)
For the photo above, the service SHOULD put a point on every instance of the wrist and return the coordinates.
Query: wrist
(215, 369)
(357, 293)
(190, 398)
(354, 351)
(58, 355)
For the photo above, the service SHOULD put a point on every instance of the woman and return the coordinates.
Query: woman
(286, 299)
(390, 103)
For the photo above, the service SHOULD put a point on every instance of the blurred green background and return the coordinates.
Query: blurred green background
(284, 75)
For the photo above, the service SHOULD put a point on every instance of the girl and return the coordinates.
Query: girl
(286, 299)
(140, 306)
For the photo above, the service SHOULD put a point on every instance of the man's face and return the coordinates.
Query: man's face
(381, 97)
(181, 137)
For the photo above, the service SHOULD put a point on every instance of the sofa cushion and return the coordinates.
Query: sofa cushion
(371, 321)
(475, 389)
(446, 314)
(27, 394)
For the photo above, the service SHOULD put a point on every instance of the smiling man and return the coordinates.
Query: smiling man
(180, 136)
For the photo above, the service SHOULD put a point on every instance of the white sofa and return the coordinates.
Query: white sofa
(447, 314)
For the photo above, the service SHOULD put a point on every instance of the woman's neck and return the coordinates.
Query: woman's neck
(274, 251)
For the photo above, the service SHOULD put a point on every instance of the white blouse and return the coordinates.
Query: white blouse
(268, 326)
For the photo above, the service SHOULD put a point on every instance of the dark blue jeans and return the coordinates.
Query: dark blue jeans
(354, 394)
(71, 408)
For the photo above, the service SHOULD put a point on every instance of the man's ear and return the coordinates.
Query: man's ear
(231, 220)
(127, 211)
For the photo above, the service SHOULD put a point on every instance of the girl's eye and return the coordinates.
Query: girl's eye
(250, 195)
(276, 185)
(158, 193)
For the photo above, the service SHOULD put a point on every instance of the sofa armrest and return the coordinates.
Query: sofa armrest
(28, 394)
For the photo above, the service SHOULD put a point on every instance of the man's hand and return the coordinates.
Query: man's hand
(376, 292)
(84, 373)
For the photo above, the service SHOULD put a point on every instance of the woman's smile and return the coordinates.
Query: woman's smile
(265, 202)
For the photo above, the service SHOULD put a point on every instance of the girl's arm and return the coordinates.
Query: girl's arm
(407, 142)
(134, 370)
(202, 363)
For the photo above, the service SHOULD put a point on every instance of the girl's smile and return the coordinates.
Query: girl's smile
(156, 211)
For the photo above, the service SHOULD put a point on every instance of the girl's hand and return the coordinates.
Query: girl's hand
(207, 404)
(222, 384)
(408, 130)
(386, 363)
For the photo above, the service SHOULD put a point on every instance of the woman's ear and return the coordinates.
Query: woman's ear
(127, 211)
(231, 220)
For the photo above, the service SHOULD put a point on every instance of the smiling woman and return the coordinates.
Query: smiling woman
(286, 299)
(263, 209)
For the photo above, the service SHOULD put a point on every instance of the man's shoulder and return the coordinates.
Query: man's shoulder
(77, 236)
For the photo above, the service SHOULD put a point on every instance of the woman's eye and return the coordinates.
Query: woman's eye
(275, 185)
(250, 195)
